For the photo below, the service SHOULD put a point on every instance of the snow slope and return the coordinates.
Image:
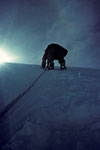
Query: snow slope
(14, 79)
(61, 111)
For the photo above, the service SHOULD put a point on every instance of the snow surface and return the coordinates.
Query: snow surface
(14, 79)
(61, 111)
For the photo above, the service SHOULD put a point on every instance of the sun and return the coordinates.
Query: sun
(5, 57)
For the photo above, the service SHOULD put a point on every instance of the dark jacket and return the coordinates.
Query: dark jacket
(54, 52)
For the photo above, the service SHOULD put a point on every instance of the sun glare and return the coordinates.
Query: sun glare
(5, 57)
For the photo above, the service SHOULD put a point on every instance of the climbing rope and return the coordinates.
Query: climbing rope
(16, 99)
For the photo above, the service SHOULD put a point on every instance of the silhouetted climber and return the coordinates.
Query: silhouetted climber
(54, 52)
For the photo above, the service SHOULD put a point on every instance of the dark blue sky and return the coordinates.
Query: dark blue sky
(28, 26)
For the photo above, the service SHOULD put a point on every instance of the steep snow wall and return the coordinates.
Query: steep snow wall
(62, 110)
(14, 79)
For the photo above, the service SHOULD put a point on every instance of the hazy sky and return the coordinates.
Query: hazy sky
(28, 26)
